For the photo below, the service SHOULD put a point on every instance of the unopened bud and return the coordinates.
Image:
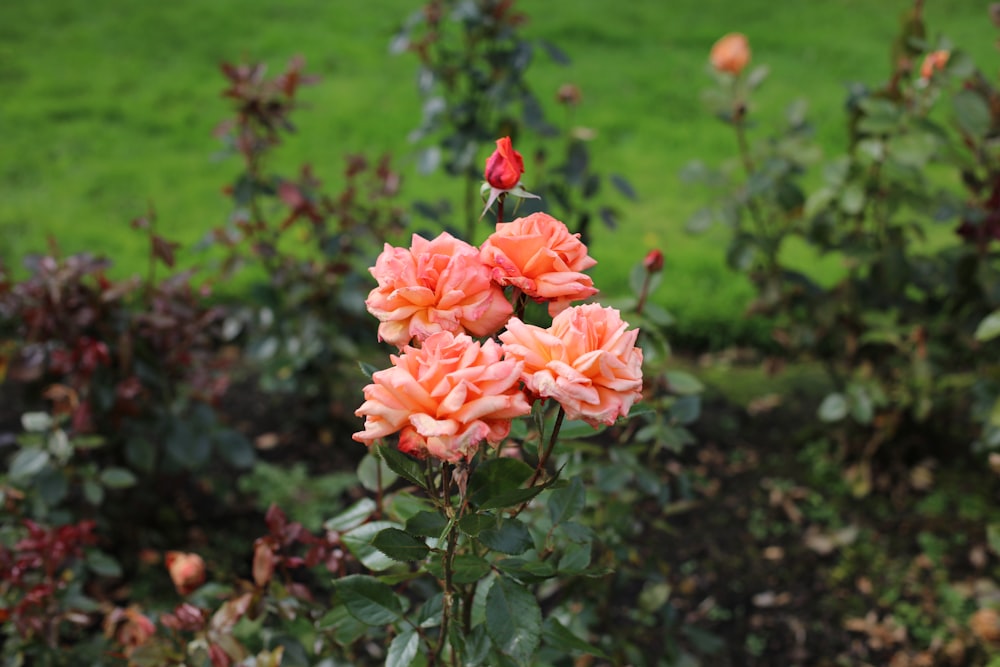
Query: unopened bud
(653, 261)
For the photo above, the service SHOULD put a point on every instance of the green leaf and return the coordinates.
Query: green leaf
(575, 559)
(428, 524)
(369, 471)
(989, 328)
(27, 463)
(852, 199)
(400, 545)
(93, 492)
(833, 408)
(993, 537)
(368, 369)
(368, 599)
(102, 564)
(117, 478)
(465, 568)
(684, 383)
(401, 464)
(912, 150)
(189, 446)
(140, 454)
(557, 636)
(513, 619)
(234, 448)
(497, 477)
(477, 646)
(359, 542)
(971, 113)
(510, 537)
(403, 649)
(36, 422)
(575, 429)
(566, 502)
(527, 571)
(352, 516)
(473, 524)
(468, 568)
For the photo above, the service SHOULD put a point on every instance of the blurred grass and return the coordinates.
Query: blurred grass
(109, 106)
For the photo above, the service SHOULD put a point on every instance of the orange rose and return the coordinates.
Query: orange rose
(187, 571)
(505, 166)
(935, 61)
(587, 361)
(731, 53)
(444, 398)
(539, 256)
(439, 285)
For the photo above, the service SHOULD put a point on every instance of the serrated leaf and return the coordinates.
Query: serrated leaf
(496, 477)
(993, 537)
(36, 422)
(403, 649)
(428, 524)
(117, 478)
(368, 599)
(527, 571)
(510, 537)
(557, 636)
(833, 408)
(352, 516)
(575, 559)
(972, 113)
(468, 568)
(623, 186)
(368, 369)
(513, 619)
(400, 545)
(566, 502)
(27, 463)
(989, 328)
(401, 464)
(140, 454)
(93, 492)
(374, 472)
(103, 565)
(473, 524)
(235, 448)
(684, 383)
(359, 542)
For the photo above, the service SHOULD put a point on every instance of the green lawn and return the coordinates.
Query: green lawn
(109, 105)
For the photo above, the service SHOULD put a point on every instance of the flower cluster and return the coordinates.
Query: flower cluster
(447, 392)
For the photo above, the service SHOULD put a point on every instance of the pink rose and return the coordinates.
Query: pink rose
(731, 53)
(187, 571)
(504, 167)
(587, 361)
(439, 285)
(444, 398)
(539, 256)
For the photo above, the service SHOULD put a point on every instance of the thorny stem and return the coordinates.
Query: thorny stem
(449, 555)
(739, 113)
(644, 294)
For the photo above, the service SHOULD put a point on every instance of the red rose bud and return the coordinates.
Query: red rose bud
(653, 261)
(505, 166)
